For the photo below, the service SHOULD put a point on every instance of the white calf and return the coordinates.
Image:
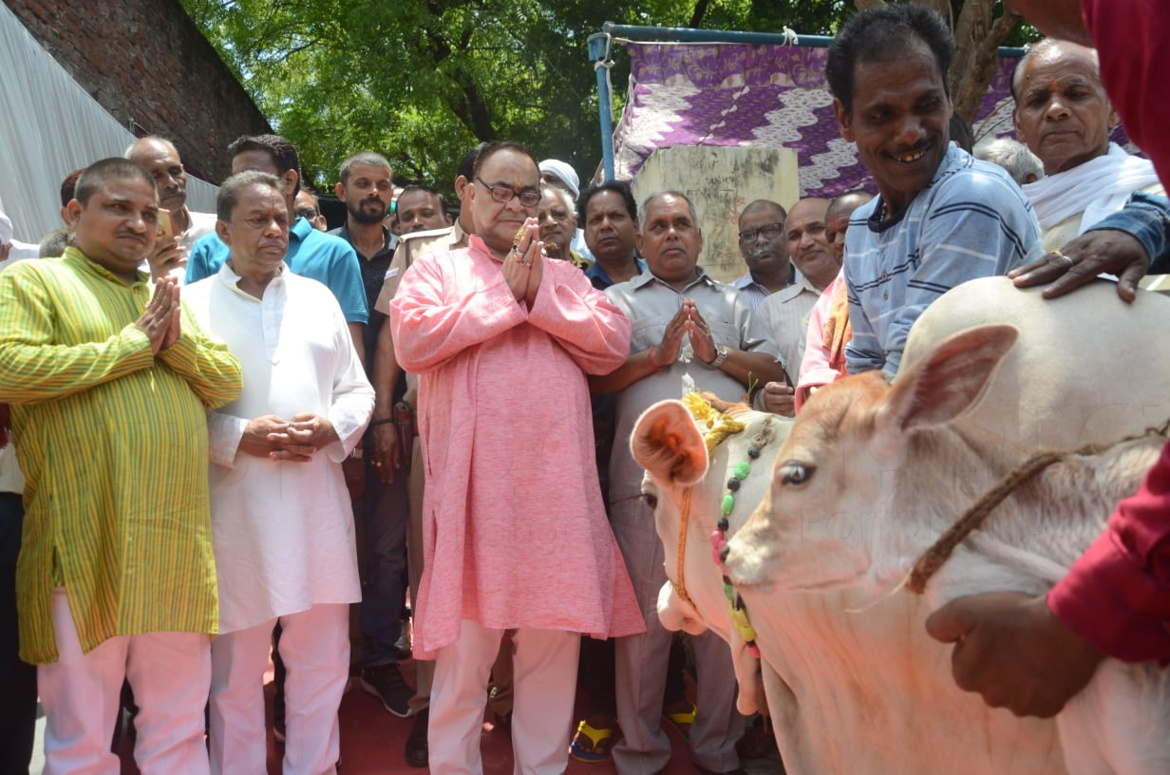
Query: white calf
(849, 691)
(870, 475)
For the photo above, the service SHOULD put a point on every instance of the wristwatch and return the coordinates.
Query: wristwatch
(720, 356)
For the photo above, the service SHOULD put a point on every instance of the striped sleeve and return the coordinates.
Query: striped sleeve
(974, 227)
(863, 352)
(33, 367)
(207, 366)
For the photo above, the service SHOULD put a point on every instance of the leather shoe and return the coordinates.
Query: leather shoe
(416, 744)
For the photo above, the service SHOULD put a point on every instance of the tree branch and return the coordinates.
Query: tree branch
(942, 8)
(697, 17)
(471, 109)
(977, 38)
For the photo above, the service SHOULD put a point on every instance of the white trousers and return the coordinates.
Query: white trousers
(315, 648)
(545, 677)
(169, 673)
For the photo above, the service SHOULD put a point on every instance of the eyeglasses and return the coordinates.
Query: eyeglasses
(306, 213)
(529, 197)
(769, 232)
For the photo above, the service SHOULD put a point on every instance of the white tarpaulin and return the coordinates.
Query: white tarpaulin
(50, 126)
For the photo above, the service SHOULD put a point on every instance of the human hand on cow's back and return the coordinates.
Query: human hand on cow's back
(1080, 261)
(779, 398)
(1013, 651)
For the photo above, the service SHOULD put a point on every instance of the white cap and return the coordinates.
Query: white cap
(563, 171)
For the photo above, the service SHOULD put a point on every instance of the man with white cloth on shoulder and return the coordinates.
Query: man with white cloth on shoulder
(1095, 196)
(281, 518)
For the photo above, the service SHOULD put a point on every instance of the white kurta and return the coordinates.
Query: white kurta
(283, 531)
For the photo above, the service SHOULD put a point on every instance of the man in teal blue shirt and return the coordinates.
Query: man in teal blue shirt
(328, 259)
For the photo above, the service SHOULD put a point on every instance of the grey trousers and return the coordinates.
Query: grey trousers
(642, 666)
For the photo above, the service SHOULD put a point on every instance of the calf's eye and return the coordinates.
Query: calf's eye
(650, 499)
(794, 473)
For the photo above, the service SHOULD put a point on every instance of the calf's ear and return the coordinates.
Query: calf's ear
(948, 381)
(667, 443)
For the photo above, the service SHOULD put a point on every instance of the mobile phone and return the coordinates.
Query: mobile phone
(166, 227)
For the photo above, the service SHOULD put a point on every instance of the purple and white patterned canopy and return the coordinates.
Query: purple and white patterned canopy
(756, 96)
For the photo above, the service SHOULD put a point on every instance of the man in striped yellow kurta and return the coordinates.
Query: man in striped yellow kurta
(108, 383)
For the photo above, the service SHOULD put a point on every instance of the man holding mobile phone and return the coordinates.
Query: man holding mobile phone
(178, 226)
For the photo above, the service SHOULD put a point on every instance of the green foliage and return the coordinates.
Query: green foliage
(420, 81)
(805, 17)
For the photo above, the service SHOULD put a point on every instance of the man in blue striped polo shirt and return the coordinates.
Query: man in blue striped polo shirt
(941, 217)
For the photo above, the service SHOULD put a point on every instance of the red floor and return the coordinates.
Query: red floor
(374, 741)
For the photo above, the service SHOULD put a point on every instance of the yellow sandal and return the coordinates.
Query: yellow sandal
(599, 741)
(682, 721)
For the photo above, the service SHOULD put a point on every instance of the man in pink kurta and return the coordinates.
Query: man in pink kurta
(514, 530)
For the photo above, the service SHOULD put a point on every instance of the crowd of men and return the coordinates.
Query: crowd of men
(231, 427)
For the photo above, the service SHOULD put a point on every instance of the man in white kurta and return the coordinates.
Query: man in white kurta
(282, 523)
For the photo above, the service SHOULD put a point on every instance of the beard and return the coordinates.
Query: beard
(363, 215)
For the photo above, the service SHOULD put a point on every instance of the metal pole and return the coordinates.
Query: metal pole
(599, 55)
(687, 35)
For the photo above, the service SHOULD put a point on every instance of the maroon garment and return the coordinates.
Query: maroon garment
(1127, 34)
(1117, 596)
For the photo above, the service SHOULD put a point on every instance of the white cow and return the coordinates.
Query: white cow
(1068, 381)
(1087, 369)
(669, 444)
(853, 684)
(870, 475)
